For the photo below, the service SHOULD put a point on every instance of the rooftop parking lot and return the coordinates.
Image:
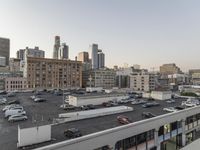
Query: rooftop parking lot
(45, 112)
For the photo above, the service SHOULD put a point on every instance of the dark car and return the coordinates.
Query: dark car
(90, 106)
(179, 107)
(58, 93)
(72, 133)
(148, 115)
(84, 107)
(150, 104)
(106, 104)
(123, 119)
(14, 102)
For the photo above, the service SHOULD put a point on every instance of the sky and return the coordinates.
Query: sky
(145, 32)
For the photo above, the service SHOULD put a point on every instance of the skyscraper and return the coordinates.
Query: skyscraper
(101, 60)
(97, 57)
(56, 47)
(5, 49)
(63, 52)
(94, 55)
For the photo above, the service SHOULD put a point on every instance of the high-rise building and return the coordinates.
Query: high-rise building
(97, 57)
(63, 52)
(5, 49)
(94, 55)
(31, 52)
(101, 59)
(56, 47)
(52, 73)
(83, 56)
(168, 69)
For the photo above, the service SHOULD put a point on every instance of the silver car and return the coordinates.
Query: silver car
(3, 101)
(18, 117)
(10, 106)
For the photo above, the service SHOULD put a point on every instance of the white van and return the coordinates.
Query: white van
(11, 112)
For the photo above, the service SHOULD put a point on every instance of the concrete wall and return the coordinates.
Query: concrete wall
(111, 136)
(29, 136)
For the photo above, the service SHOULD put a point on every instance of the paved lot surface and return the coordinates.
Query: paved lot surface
(45, 112)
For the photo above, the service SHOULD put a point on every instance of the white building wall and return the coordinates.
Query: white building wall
(29, 136)
(79, 101)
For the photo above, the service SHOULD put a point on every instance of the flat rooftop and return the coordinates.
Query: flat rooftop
(46, 112)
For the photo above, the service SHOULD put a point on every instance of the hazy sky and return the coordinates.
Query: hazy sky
(145, 32)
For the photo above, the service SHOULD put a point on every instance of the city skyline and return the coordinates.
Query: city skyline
(146, 33)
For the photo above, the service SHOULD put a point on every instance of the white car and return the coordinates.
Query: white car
(17, 117)
(39, 99)
(3, 101)
(170, 101)
(189, 104)
(10, 106)
(170, 109)
(9, 113)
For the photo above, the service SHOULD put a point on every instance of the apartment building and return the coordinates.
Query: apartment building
(103, 77)
(52, 73)
(142, 81)
(4, 51)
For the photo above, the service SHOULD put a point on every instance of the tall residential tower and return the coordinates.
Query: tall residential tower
(56, 47)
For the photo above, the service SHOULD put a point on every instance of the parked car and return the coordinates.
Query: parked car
(11, 94)
(188, 104)
(170, 109)
(136, 102)
(3, 101)
(150, 104)
(123, 119)
(39, 99)
(72, 133)
(38, 93)
(114, 103)
(69, 107)
(148, 115)
(84, 107)
(3, 92)
(16, 107)
(9, 113)
(33, 97)
(14, 102)
(91, 106)
(18, 117)
(106, 104)
(58, 93)
(9, 106)
(179, 107)
(170, 101)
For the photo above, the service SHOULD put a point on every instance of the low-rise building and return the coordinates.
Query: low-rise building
(195, 76)
(15, 84)
(95, 99)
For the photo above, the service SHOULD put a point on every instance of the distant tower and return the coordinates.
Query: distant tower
(56, 47)
(97, 57)
(94, 55)
(101, 59)
(63, 52)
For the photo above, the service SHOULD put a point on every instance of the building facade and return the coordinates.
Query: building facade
(52, 73)
(32, 52)
(15, 83)
(99, 78)
(14, 64)
(194, 76)
(83, 56)
(5, 49)
(142, 81)
(168, 69)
